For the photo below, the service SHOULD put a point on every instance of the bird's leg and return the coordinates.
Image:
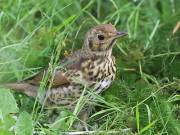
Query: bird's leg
(84, 120)
(85, 116)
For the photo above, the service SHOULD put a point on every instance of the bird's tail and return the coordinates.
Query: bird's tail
(26, 88)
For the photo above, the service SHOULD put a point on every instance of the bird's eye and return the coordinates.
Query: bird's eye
(101, 37)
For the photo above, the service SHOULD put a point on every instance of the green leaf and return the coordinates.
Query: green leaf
(7, 122)
(66, 22)
(147, 127)
(24, 125)
(137, 117)
(7, 102)
(60, 122)
(174, 98)
(5, 132)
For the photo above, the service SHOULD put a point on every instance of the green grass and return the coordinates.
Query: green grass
(144, 98)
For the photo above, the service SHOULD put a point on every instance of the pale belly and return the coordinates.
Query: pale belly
(102, 85)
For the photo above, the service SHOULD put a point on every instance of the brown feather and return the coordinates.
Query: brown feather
(59, 78)
(26, 88)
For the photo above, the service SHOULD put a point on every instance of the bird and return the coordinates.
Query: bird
(92, 66)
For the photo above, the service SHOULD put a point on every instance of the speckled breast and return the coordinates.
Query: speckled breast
(102, 75)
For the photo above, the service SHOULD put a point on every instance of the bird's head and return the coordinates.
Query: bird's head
(101, 38)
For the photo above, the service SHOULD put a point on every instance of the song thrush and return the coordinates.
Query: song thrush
(92, 66)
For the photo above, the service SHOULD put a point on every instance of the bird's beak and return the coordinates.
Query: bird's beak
(121, 34)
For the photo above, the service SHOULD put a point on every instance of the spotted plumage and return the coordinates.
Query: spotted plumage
(93, 67)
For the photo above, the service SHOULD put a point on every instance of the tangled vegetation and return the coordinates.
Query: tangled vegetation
(144, 98)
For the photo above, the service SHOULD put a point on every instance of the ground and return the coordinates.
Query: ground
(144, 98)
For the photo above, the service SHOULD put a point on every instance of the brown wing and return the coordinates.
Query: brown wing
(73, 62)
(58, 78)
